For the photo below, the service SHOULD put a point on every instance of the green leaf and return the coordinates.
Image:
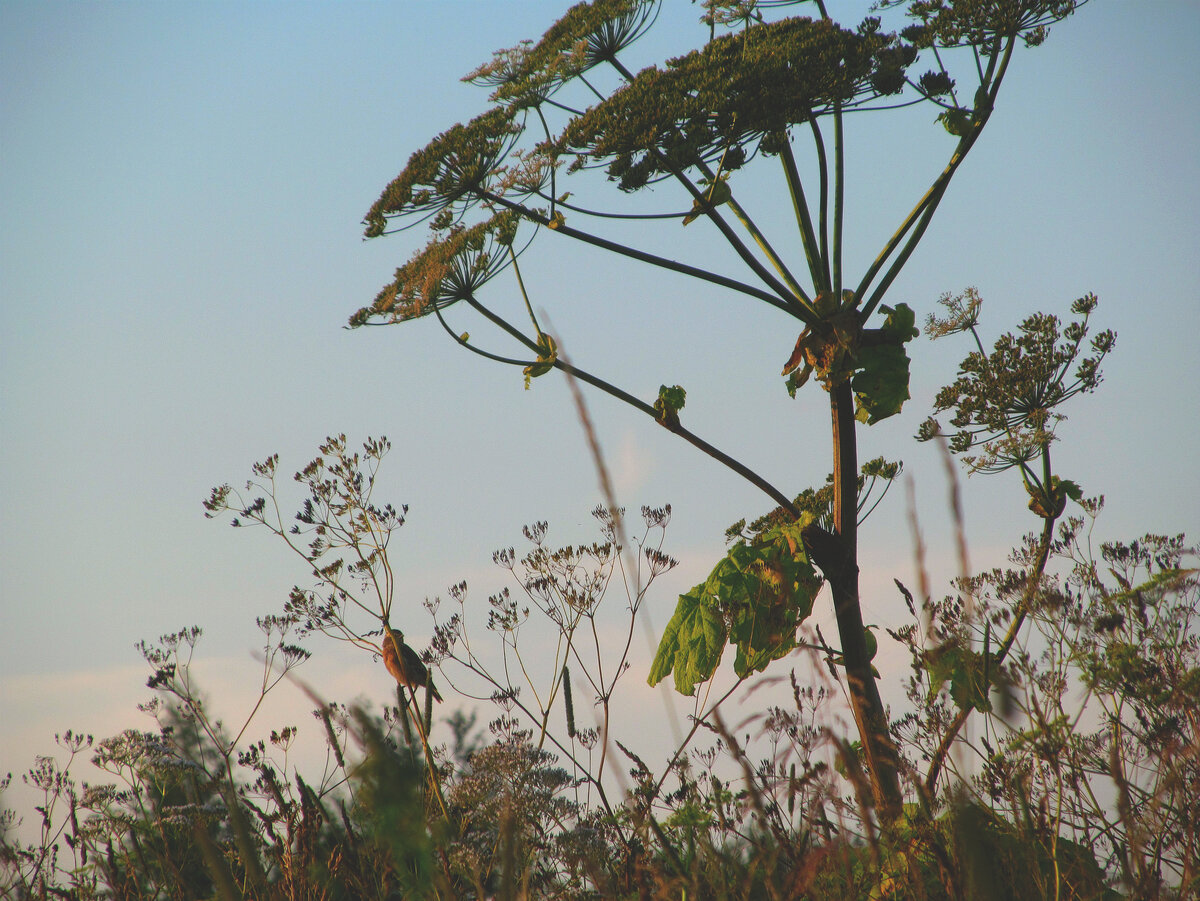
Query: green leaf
(881, 384)
(1050, 505)
(670, 402)
(755, 598)
(1070, 489)
(900, 322)
(957, 121)
(880, 381)
(872, 642)
(796, 380)
(964, 669)
(692, 643)
(547, 354)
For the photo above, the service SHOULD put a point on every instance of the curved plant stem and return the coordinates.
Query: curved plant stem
(1033, 582)
(608, 388)
(813, 250)
(839, 196)
(919, 218)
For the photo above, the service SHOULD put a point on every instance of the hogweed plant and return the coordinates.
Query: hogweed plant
(1007, 404)
(757, 93)
(1051, 744)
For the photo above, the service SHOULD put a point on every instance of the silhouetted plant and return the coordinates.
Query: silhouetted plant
(748, 96)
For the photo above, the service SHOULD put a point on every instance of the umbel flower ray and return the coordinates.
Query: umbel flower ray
(1004, 403)
(450, 268)
(450, 172)
(586, 36)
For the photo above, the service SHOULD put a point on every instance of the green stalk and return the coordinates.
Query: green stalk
(922, 213)
(761, 240)
(813, 252)
(608, 388)
(823, 171)
(524, 294)
(839, 191)
(654, 260)
(730, 235)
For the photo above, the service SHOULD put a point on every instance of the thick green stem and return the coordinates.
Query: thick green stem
(761, 240)
(756, 233)
(839, 197)
(837, 556)
(823, 175)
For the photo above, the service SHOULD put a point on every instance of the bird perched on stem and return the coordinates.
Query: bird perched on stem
(405, 664)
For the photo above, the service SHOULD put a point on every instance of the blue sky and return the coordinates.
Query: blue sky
(181, 188)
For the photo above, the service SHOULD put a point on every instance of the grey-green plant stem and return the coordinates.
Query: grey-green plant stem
(608, 388)
(922, 213)
(823, 178)
(511, 361)
(731, 236)
(524, 293)
(834, 257)
(760, 239)
(839, 196)
(813, 251)
(644, 257)
(600, 214)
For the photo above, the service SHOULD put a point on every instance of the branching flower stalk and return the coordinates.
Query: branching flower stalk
(1005, 404)
(567, 586)
(346, 552)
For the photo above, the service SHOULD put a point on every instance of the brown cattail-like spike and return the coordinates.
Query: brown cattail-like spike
(569, 702)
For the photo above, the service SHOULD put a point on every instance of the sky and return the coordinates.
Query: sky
(181, 191)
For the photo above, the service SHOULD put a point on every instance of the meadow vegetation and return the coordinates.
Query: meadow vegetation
(1049, 745)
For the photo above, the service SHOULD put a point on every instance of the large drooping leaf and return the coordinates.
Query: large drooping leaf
(692, 643)
(755, 598)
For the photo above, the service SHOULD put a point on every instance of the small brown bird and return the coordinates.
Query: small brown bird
(406, 664)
